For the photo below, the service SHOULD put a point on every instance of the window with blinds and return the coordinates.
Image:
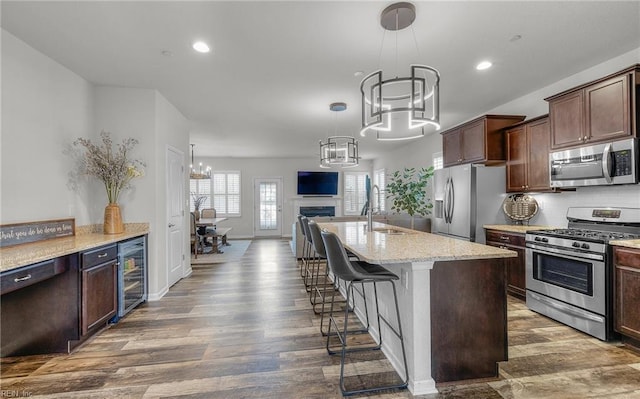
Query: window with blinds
(226, 193)
(355, 192)
(379, 179)
(438, 160)
(200, 188)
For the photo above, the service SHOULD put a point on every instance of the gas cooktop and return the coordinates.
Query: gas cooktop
(586, 235)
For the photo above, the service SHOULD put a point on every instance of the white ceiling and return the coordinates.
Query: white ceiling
(265, 89)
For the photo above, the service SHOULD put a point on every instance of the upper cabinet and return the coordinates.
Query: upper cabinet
(528, 156)
(597, 111)
(478, 141)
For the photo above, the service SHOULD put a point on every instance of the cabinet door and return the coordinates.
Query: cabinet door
(451, 148)
(516, 277)
(99, 296)
(538, 156)
(473, 142)
(627, 295)
(516, 159)
(566, 114)
(607, 110)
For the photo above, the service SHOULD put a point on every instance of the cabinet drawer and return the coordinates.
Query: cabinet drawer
(98, 256)
(505, 238)
(627, 257)
(28, 275)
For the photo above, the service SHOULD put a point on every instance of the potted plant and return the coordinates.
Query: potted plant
(407, 190)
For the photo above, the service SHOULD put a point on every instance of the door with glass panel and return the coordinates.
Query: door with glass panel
(268, 207)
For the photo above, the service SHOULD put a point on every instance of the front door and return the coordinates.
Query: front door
(175, 215)
(268, 207)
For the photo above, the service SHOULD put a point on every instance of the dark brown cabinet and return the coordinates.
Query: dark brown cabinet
(99, 273)
(528, 156)
(627, 293)
(599, 111)
(516, 278)
(478, 141)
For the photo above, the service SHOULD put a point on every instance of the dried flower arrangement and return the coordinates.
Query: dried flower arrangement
(198, 200)
(113, 167)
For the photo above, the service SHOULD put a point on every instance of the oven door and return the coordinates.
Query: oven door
(567, 276)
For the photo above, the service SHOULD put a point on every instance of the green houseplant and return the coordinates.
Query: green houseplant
(407, 190)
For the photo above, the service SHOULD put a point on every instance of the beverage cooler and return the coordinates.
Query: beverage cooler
(132, 275)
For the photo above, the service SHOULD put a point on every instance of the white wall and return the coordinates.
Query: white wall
(287, 168)
(418, 153)
(45, 107)
(147, 116)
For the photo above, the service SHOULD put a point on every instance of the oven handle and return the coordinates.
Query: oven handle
(571, 254)
(566, 309)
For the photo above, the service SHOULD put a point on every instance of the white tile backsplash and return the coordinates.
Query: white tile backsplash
(553, 206)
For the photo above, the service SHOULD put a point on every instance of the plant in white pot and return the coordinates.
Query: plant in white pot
(407, 190)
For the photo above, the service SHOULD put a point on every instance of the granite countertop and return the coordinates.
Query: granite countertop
(516, 228)
(413, 246)
(86, 238)
(626, 243)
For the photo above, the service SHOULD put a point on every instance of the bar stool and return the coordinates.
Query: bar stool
(305, 246)
(311, 257)
(320, 298)
(360, 272)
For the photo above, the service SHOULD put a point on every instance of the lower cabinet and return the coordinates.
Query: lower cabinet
(99, 301)
(516, 278)
(627, 293)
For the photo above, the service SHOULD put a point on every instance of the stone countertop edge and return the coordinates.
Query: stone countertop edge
(516, 228)
(423, 247)
(87, 237)
(626, 243)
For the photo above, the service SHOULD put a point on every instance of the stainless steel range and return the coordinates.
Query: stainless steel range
(570, 271)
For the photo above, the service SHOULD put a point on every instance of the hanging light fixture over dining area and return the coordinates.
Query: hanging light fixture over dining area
(339, 150)
(201, 172)
(400, 108)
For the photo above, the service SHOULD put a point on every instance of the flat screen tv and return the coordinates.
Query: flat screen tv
(317, 183)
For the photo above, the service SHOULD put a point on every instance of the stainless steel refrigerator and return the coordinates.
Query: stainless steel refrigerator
(466, 198)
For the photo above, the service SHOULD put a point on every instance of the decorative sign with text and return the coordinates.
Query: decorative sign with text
(23, 233)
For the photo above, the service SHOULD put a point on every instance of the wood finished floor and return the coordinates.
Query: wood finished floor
(245, 329)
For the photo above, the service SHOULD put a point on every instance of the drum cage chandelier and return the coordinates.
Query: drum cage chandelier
(387, 103)
(339, 150)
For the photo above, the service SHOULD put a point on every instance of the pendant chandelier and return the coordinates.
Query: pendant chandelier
(200, 173)
(400, 108)
(339, 150)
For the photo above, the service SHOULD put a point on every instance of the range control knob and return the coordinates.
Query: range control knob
(575, 244)
(585, 246)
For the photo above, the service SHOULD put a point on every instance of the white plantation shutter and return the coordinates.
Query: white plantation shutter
(226, 193)
(438, 160)
(355, 192)
(379, 178)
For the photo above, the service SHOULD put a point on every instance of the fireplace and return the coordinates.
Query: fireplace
(313, 211)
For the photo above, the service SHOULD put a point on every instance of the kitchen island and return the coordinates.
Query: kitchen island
(452, 301)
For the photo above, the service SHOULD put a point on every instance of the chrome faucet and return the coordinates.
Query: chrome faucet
(371, 208)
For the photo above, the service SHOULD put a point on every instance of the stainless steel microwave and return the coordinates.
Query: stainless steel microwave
(595, 165)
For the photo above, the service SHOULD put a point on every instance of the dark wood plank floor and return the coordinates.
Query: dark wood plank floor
(245, 329)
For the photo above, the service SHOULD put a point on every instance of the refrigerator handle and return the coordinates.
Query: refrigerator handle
(446, 201)
(452, 198)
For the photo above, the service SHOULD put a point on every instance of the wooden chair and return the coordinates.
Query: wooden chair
(208, 213)
(195, 239)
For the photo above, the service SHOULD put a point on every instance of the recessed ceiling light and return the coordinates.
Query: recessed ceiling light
(167, 53)
(201, 47)
(357, 74)
(484, 65)
(515, 38)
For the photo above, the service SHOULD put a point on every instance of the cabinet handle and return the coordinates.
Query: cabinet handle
(504, 238)
(580, 138)
(503, 247)
(19, 279)
(103, 255)
(171, 224)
